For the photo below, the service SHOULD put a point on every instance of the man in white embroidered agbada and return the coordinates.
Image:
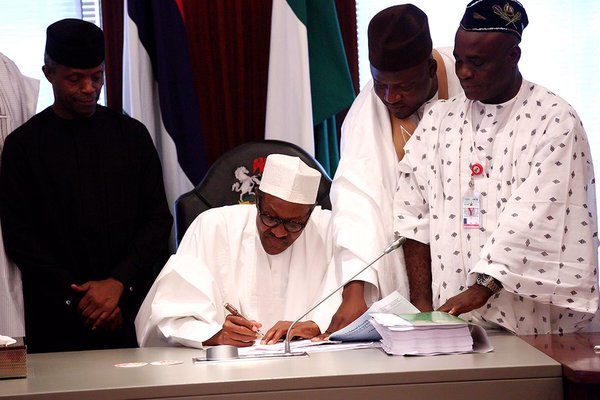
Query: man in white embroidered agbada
(271, 261)
(18, 99)
(407, 72)
(497, 185)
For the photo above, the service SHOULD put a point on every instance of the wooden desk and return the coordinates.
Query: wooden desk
(514, 370)
(580, 364)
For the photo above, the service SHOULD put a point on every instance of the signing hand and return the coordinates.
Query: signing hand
(99, 301)
(471, 299)
(353, 306)
(237, 331)
(304, 330)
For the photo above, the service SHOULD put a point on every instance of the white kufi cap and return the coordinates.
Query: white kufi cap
(290, 179)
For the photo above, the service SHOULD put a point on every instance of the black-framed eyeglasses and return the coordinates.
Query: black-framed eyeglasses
(289, 225)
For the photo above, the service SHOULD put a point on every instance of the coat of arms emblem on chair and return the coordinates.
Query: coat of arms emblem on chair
(246, 183)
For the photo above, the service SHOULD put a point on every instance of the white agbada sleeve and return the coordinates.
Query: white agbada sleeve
(362, 195)
(18, 99)
(185, 304)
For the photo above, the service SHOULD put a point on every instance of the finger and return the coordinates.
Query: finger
(251, 325)
(80, 288)
(241, 326)
(278, 335)
(89, 310)
(103, 318)
(83, 303)
(275, 331)
(445, 308)
(113, 320)
(238, 332)
(236, 343)
(240, 337)
(268, 336)
(322, 337)
(100, 320)
(92, 317)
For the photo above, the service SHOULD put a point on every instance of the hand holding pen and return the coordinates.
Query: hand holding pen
(254, 325)
(237, 330)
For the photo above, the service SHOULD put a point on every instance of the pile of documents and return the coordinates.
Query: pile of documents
(361, 330)
(427, 333)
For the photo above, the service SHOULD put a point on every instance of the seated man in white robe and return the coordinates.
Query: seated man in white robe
(407, 73)
(498, 187)
(271, 262)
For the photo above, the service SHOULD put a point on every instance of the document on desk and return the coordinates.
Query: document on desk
(361, 330)
(305, 345)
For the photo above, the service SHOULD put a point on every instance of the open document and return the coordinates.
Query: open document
(305, 345)
(361, 330)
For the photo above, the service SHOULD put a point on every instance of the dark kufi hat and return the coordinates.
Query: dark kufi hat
(495, 16)
(75, 43)
(399, 38)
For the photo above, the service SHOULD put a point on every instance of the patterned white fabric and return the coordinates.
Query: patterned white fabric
(363, 190)
(221, 259)
(538, 232)
(18, 99)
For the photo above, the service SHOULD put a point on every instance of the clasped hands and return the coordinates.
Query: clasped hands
(240, 332)
(99, 306)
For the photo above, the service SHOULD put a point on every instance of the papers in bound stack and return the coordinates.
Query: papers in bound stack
(426, 334)
(361, 330)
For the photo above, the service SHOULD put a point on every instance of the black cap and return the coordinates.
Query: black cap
(495, 16)
(399, 38)
(75, 43)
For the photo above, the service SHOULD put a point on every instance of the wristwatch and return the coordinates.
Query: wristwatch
(489, 282)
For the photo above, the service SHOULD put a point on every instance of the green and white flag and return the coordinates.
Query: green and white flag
(309, 79)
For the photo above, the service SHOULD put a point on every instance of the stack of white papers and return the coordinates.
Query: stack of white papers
(362, 330)
(427, 334)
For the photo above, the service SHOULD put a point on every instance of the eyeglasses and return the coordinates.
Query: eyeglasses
(289, 225)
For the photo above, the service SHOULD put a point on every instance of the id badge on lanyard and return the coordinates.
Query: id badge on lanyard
(471, 201)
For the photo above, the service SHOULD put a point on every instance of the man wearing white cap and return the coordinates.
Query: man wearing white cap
(270, 261)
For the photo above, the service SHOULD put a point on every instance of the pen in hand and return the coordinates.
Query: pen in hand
(233, 311)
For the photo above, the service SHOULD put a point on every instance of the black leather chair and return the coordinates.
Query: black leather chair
(235, 176)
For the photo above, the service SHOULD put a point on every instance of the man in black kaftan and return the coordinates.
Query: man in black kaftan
(83, 206)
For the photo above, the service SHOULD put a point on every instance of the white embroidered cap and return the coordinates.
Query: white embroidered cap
(290, 179)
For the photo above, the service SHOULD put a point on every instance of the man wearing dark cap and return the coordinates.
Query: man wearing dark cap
(498, 187)
(406, 74)
(82, 202)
